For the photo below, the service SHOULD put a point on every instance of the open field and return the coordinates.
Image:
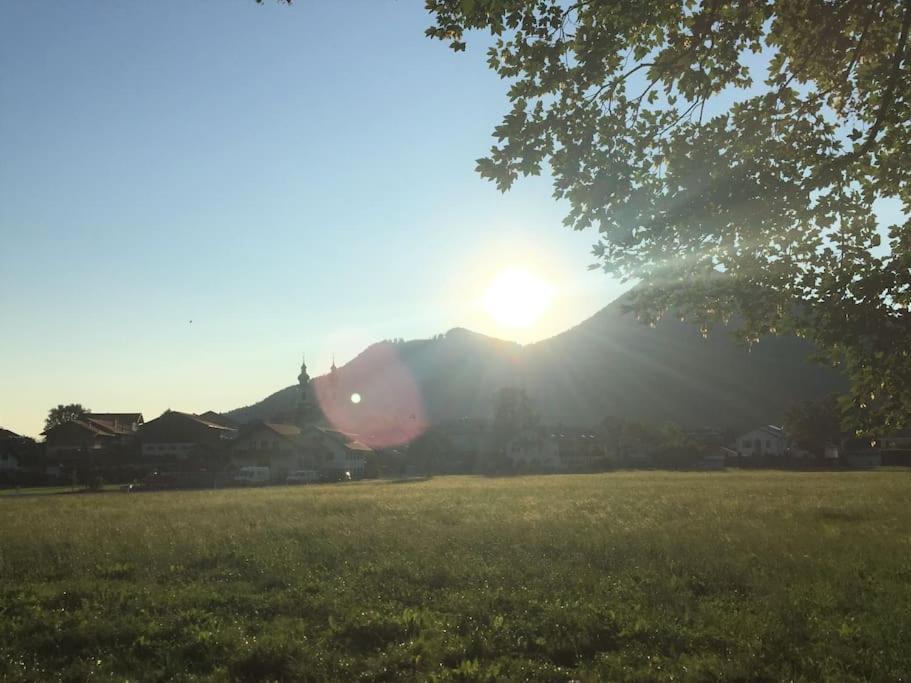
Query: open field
(637, 576)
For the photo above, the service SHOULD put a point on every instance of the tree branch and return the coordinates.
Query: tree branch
(888, 96)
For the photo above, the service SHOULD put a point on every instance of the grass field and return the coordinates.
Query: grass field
(630, 576)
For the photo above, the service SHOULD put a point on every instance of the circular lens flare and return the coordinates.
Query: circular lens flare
(355, 398)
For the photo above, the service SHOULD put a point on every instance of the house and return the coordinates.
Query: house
(9, 459)
(768, 440)
(92, 432)
(534, 449)
(285, 447)
(119, 423)
(175, 435)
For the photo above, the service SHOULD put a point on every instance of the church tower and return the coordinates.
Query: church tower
(306, 407)
(332, 381)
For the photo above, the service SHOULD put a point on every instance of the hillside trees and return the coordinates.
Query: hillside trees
(747, 138)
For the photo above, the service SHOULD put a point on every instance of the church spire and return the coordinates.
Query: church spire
(303, 378)
(332, 368)
(305, 405)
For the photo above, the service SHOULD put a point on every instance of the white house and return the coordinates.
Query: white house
(765, 440)
(533, 450)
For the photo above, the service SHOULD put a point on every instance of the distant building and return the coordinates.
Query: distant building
(768, 440)
(218, 418)
(285, 448)
(579, 450)
(175, 435)
(534, 449)
(9, 459)
(93, 432)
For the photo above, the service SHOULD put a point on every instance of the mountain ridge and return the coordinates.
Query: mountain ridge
(608, 364)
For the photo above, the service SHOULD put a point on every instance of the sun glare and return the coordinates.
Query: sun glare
(517, 298)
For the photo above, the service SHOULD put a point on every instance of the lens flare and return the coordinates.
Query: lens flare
(374, 398)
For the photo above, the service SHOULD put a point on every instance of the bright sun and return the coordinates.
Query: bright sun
(517, 298)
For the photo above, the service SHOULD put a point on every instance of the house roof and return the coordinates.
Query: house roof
(174, 426)
(218, 418)
(7, 434)
(200, 419)
(295, 434)
(358, 446)
(89, 425)
(120, 417)
(283, 429)
(116, 423)
(771, 430)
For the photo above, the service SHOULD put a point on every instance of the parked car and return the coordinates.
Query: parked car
(303, 477)
(252, 476)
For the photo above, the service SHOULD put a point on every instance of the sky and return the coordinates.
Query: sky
(192, 195)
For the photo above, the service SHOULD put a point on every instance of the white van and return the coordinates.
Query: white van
(251, 476)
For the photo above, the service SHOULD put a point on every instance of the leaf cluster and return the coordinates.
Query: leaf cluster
(729, 154)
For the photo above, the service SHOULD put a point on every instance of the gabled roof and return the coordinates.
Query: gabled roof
(296, 435)
(283, 429)
(116, 423)
(218, 418)
(120, 417)
(358, 446)
(7, 434)
(174, 426)
(771, 430)
(89, 425)
(198, 418)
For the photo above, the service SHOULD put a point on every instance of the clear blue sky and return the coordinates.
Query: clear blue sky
(289, 179)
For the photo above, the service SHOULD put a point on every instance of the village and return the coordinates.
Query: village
(187, 450)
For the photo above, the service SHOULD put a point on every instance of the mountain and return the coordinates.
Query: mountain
(609, 364)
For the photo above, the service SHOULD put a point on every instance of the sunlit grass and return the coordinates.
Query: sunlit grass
(648, 576)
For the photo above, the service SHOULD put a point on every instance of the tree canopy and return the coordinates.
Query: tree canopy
(63, 414)
(813, 425)
(729, 154)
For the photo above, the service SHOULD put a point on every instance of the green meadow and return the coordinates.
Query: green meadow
(644, 576)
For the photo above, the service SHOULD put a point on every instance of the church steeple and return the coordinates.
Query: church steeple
(305, 405)
(303, 378)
